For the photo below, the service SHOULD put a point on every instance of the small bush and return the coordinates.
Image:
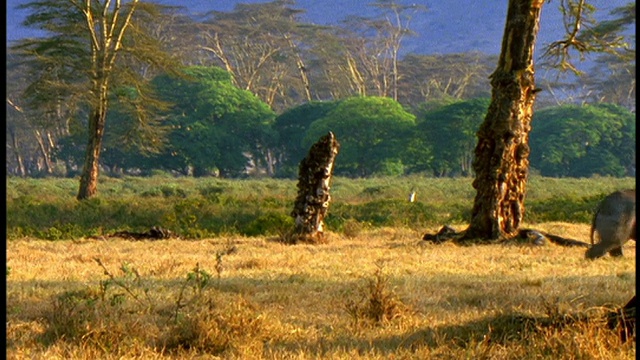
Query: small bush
(378, 304)
(172, 190)
(62, 231)
(212, 193)
(352, 228)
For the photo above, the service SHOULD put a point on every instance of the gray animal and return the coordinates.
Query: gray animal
(615, 222)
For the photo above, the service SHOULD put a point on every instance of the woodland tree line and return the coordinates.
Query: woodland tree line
(259, 86)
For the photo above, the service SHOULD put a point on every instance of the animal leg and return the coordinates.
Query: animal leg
(616, 252)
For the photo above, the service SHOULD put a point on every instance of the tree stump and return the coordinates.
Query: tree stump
(314, 180)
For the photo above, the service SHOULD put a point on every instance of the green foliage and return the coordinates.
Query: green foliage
(204, 207)
(370, 131)
(212, 192)
(447, 135)
(172, 190)
(582, 141)
(388, 212)
(575, 210)
(213, 123)
(269, 223)
(292, 126)
(133, 132)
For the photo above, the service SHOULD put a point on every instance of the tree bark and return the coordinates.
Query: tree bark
(501, 162)
(312, 202)
(91, 167)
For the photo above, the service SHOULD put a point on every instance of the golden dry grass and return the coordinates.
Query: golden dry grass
(267, 300)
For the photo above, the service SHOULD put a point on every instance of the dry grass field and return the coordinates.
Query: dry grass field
(383, 294)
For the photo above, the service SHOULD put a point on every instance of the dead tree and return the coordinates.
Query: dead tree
(312, 201)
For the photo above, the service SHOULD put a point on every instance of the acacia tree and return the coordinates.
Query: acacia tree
(88, 38)
(444, 77)
(262, 47)
(372, 47)
(501, 162)
(502, 152)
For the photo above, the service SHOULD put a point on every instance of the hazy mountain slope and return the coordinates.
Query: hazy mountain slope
(448, 26)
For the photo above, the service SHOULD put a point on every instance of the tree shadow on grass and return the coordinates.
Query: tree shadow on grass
(499, 330)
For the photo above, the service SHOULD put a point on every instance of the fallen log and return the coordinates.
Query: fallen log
(155, 233)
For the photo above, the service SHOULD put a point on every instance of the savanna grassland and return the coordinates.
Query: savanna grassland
(374, 291)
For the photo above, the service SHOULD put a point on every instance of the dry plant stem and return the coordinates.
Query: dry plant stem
(126, 288)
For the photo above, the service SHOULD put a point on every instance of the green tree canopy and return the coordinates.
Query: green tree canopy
(372, 132)
(215, 126)
(292, 126)
(581, 141)
(449, 132)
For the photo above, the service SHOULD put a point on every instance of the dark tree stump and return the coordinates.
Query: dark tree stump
(312, 201)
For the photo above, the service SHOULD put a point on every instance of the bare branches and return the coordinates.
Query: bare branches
(583, 35)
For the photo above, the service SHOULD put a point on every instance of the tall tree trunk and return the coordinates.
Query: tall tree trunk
(501, 161)
(91, 167)
(45, 151)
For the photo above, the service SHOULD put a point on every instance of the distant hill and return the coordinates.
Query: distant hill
(448, 26)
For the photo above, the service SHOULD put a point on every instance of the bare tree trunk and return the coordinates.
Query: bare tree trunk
(44, 149)
(356, 76)
(11, 129)
(501, 161)
(91, 167)
(312, 202)
(22, 172)
(301, 68)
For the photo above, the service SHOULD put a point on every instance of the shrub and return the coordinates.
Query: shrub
(269, 223)
(378, 303)
(212, 193)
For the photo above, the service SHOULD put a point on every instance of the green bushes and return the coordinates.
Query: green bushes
(576, 210)
(206, 207)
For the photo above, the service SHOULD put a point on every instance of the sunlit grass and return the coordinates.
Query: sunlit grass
(236, 297)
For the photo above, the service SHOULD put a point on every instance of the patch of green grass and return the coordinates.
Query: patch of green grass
(201, 207)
